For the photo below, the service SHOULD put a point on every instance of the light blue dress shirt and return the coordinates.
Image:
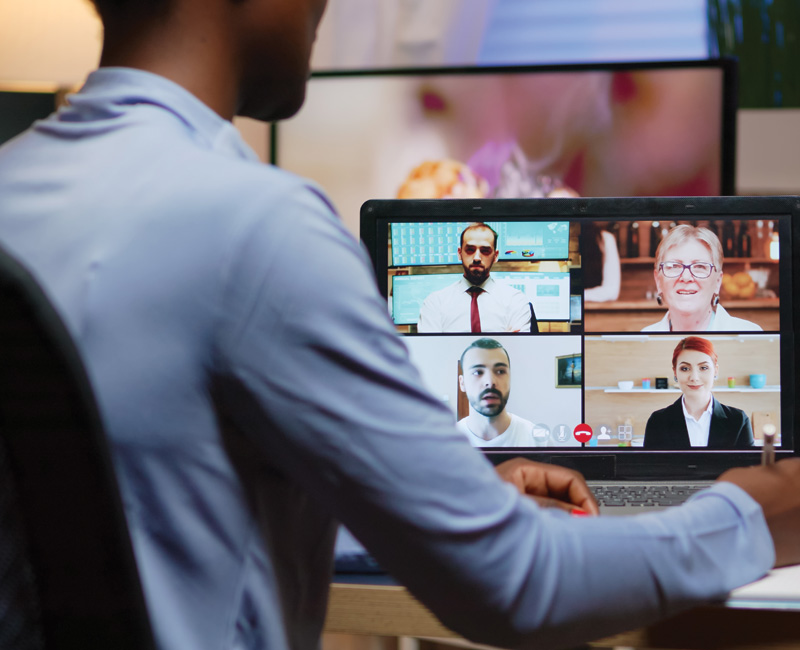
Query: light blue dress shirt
(254, 389)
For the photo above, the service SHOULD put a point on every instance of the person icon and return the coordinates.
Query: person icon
(604, 435)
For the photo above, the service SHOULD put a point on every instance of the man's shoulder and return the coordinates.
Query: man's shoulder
(520, 422)
(236, 190)
(502, 290)
(444, 292)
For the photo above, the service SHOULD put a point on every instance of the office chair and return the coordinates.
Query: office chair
(534, 320)
(68, 577)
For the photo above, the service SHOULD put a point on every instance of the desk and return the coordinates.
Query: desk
(385, 609)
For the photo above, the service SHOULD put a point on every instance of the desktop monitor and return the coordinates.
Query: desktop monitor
(617, 129)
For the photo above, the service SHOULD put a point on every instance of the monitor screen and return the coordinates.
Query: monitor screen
(623, 129)
(703, 305)
(416, 244)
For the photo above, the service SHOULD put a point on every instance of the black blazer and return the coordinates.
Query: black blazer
(730, 428)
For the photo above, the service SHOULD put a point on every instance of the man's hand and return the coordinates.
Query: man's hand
(777, 489)
(550, 485)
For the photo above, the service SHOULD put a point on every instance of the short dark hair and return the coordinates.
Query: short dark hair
(485, 344)
(475, 226)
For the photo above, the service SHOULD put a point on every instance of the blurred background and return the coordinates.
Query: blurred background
(50, 45)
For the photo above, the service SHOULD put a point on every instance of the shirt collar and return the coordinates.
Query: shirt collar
(112, 90)
(486, 286)
(709, 409)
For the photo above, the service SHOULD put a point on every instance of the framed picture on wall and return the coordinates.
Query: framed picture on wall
(569, 371)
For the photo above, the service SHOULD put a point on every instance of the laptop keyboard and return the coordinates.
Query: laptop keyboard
(644, 496)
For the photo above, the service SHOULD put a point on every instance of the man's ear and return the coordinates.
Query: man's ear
(461, 384)
(459, 254)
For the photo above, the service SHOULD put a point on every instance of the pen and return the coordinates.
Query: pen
(768, 451)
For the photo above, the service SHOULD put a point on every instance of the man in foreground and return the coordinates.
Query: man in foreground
(252, 397)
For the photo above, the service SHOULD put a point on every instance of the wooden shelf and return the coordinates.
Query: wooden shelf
(720, 389)
(652, 305)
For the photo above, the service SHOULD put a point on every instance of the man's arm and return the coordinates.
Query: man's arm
(338, 408)
(551, 486)
(777, 489)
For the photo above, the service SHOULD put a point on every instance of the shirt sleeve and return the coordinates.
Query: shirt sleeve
(341, 410)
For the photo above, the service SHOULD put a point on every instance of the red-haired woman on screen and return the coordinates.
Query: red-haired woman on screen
(697, 418)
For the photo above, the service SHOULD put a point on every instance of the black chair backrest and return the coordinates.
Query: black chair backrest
(68, 577)
(534, 320)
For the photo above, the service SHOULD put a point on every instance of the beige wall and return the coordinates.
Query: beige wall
(768, 152)
(58, 41)
(53, 41)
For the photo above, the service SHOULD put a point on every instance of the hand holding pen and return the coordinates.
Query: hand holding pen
(768, 450)
(776, 488)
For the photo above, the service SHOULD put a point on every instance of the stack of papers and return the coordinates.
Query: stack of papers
(779, 589)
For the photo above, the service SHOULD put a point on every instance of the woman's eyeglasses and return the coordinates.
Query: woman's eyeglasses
(699, 270)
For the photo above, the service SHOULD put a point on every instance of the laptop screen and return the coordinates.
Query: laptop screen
(638, 336)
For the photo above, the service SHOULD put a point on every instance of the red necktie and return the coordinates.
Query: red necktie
(474, 314)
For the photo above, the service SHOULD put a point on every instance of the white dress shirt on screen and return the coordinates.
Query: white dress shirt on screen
(502, 308)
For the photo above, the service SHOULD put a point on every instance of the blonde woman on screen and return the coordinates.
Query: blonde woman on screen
(688, 275)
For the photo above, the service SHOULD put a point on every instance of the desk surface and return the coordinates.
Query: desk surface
(374, 606)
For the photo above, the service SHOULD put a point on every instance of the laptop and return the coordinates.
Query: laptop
(592, 382)
(601, 353)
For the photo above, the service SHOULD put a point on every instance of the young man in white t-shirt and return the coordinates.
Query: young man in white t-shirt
(486, 379)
